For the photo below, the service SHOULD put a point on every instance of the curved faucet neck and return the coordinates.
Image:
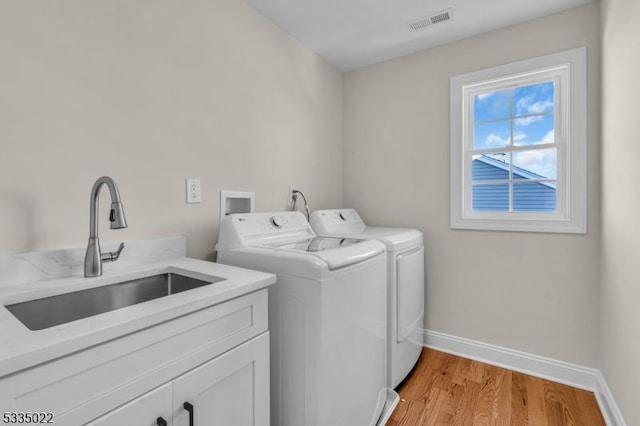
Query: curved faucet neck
(94, 200)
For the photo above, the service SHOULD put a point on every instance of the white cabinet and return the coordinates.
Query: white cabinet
(217, 359)
(232, 389)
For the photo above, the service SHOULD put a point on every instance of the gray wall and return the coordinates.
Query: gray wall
(620, 289)
(532, 292)
(152, 92)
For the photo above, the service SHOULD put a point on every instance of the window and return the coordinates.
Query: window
(518, 146)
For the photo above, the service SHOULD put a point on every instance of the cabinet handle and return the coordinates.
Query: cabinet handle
(189, 407)
(161, 422)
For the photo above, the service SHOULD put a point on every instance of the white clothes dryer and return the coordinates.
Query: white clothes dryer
(405, 275)
(327, 319)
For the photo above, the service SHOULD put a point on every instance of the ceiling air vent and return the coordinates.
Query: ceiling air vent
(438, 18)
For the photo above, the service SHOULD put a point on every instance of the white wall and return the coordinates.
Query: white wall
(532, 292)
(620, 288)
(151, 92)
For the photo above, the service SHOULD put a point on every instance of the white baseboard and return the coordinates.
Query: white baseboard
(608, 406)
(590, 379)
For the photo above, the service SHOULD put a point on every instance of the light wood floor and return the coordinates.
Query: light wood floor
(448, 390)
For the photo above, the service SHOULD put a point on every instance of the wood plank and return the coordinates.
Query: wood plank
(503, 402)
(487, 398)
(408, 413)
(466, 407)
(537, 406)
(476, 372)
(463, 371)
(589, 407)
(571, 413)
(554, 413)
(519, 400)
(447, 412)
(444, 380)
(431, 415)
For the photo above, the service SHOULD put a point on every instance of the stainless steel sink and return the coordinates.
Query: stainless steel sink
(47, 312)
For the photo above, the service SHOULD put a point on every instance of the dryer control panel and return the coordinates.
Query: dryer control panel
(336, 221)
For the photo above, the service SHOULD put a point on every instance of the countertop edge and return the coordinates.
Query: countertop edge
(23, 356)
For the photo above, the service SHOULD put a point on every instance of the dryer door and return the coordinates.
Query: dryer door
(410, 287)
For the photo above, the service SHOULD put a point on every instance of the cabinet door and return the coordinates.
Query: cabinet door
(232, 389)
(142, 411)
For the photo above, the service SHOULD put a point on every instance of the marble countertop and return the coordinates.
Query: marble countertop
(22, 348)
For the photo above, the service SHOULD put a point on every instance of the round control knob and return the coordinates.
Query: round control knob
(342, 216)
(275, 222)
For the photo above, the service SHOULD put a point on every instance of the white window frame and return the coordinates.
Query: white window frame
(568, 71)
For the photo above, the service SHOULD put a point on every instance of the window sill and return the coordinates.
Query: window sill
(520, 225)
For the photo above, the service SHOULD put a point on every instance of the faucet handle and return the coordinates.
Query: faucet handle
(112, 256)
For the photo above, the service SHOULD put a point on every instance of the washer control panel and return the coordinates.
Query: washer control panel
(244, 229)
(249, 224)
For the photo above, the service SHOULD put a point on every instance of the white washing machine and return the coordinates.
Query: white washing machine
(327, 319)
(405, 269)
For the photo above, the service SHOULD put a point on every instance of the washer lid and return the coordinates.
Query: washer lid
(317, 244)
(336, 252)
(347, 223)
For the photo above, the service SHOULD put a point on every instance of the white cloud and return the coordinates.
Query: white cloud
(540, 161)
(550, 137)
(525, 106)
(484, 96)
(540, 107)
(525, 121)
(494, 140)
(519, 137)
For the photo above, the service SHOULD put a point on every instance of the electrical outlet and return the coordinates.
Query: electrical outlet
(194, 191)
(291, 189)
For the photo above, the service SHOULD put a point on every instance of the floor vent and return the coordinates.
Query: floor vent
(423, 23)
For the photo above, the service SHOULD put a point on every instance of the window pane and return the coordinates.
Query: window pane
(495, 134)
(534, 196)
(491, 105)
(535, 164)
(534, 130)
(490, 197)
(490, 167)
(533, 99)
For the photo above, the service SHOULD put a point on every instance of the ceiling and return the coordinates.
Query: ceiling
(354, 33)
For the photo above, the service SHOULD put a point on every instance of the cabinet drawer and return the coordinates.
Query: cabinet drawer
(98, 379)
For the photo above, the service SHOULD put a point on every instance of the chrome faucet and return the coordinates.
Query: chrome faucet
(94, 258)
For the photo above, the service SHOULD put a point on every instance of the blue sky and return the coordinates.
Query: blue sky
(494, 113)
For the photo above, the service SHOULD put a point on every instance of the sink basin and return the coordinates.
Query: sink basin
(47, 312)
